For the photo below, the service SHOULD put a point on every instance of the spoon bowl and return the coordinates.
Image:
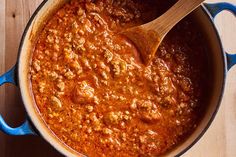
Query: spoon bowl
(148, 37)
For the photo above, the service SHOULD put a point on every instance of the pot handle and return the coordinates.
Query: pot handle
(215, 9)
(25, 128)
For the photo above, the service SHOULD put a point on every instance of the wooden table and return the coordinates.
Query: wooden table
(219, 141)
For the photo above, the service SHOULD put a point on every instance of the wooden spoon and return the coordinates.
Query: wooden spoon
(148, 37)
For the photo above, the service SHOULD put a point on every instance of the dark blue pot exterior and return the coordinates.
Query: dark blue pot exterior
(214, 9)
(25, 128)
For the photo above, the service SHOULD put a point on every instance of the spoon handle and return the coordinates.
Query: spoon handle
(176, 13)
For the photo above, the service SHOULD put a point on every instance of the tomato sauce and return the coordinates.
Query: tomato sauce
(96, 95)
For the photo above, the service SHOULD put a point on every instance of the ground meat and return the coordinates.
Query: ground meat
(97, 96)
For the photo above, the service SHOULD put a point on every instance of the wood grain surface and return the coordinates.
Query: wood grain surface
(219, 141)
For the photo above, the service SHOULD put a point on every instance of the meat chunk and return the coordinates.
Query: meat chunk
(151, 116)
(56, 101)
(119, 67)
(83, 93)
(112, 118)
(149, 113)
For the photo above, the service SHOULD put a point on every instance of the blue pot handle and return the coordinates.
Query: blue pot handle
(215, 9)
(25, 128)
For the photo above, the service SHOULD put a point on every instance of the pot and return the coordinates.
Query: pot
(18, 75)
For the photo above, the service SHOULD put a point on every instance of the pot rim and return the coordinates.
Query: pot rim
(223, 58)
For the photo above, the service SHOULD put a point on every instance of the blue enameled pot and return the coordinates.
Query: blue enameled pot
(18, 75)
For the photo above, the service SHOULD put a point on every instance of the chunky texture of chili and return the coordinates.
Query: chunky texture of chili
(95, 94)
